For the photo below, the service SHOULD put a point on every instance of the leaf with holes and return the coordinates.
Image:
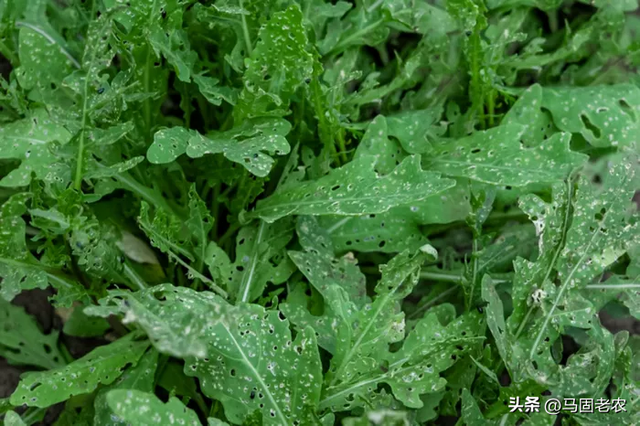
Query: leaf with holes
(32, 141)
(353, 190)
(260, 259)
(363, 335)
(103, 365)
(428, 349)
(604, 115)
(245, 145)
(398, 229)
(22, 341)
(18, 267)
(320, 266)
(497, 157)
(142, 408)
(176, 319)
(140, 378)
(277, 67)
(599, 234)
(280, 377)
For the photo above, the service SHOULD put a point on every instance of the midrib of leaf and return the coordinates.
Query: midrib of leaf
(561, 292)
(203, 238)
(338, 225)
(133, 276)
(613, 286)
(375, 6)
(86, 365)
(487, 165)
(245, 285)
(60, 281)
(50, 272)
(32, 140)
(257, 375)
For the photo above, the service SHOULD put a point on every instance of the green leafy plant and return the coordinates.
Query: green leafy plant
(311, 212)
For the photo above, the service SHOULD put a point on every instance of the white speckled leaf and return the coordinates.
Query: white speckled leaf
(142, 408)
(415, 369)
(103, 365)
(254, 364)
(364, 335)
(498, 157)
(399, 228)
(141, 377)
(214, 93)
(182, 237)
(101, 172)
(576, 246)
(470, 412)
(551, 222)
(624, 288)
(496, 323)
(23, 343)
(355, 330)
(174, 45)
(250, 360)
(335, 306)
(390, 232)
(603, 115)
(277, 67)
(376, 142)
(245, 145)
(527, 111)
(43, 61)
(174, 318)
(260, 259)
(599, 232)
(416, 129)
(353, 190)
(428, 350)
(386, 417)
(18, 267)
(29, 140)
(320, 266)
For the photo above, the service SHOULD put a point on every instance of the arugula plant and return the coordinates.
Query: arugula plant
(311, 212)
